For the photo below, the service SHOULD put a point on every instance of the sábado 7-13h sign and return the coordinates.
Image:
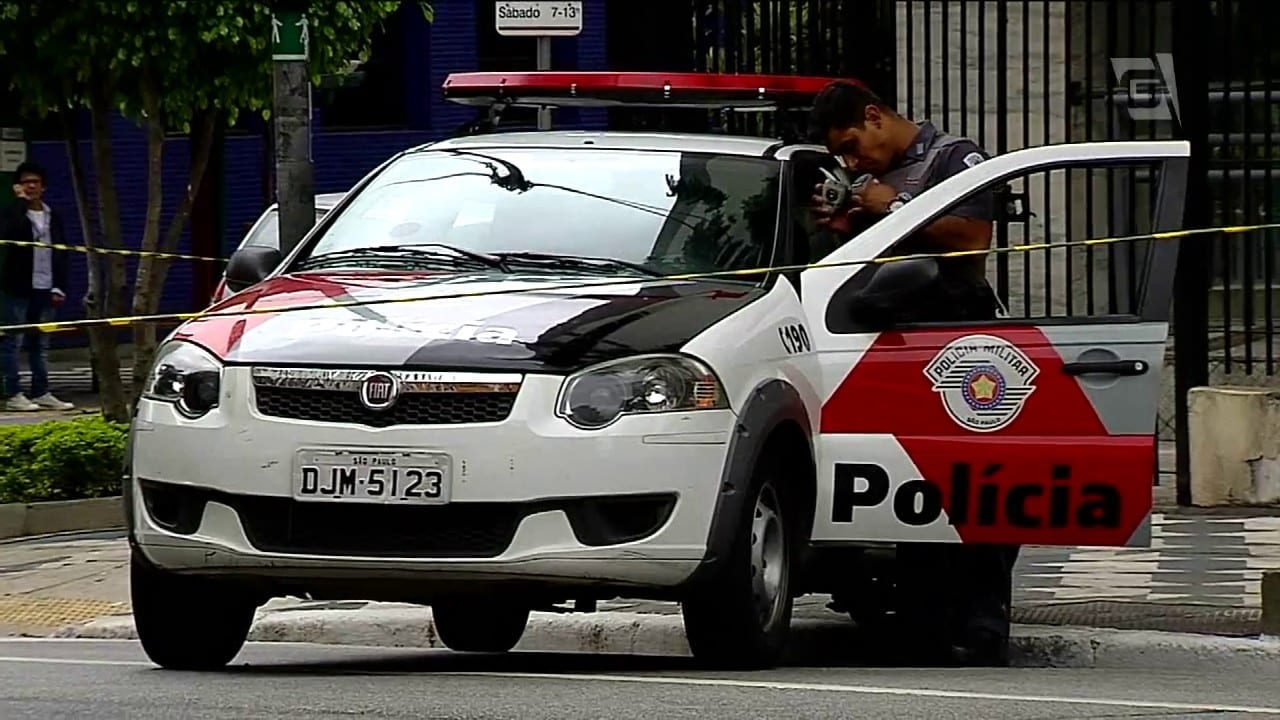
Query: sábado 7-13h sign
(543, 18)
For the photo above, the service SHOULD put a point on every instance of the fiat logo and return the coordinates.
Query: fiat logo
(379, 391)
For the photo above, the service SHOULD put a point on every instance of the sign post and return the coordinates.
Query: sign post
(543, 19)
(291, 108)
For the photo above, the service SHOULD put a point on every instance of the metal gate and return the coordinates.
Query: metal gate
(1013, 74)
(1017, 73)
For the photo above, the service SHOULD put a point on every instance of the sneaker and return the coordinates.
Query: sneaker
(20, 403)
(48, 402)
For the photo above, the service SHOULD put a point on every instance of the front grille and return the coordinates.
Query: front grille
(458, 530)
(330, 406)
(475, 530)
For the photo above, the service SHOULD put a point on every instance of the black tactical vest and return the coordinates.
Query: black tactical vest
(966, 293)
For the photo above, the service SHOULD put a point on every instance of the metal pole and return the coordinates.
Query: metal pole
(1192, 281)
(544, 63)
(292, 111)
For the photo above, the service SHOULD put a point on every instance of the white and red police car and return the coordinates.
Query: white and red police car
(475, 385)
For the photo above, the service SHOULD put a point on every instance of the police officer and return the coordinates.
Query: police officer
(904, 158)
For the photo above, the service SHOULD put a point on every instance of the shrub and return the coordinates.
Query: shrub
(61, 460)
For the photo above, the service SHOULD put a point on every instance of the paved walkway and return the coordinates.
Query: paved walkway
(1200, 575)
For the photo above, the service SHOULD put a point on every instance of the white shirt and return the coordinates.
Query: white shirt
(41, 258)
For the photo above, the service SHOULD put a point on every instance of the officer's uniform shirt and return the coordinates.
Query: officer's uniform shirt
(957, 155)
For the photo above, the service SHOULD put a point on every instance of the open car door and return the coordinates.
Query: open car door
(1020, 431)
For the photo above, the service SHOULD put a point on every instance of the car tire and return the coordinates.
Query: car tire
(187, 623)
(479, 626)
(740, 616)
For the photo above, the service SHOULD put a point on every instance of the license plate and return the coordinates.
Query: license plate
(385, 476)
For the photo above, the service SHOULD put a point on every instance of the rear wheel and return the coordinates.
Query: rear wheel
(187, 623)
(479, 626)
(741, 617)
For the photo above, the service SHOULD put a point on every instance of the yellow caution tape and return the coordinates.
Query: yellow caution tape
(110, 251)
(179, 317)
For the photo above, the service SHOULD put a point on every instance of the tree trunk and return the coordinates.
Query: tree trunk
(145, 292)
(152, 271)
(104, 292)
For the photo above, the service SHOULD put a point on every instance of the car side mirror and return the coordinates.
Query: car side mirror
(896, 291)
(250, 265)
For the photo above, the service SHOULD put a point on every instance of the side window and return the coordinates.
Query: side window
(267, 232)
(1062, 247)
(809, 243)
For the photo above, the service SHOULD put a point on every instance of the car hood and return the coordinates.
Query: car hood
(471, 320)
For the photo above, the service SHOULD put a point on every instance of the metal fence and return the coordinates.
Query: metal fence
(1017, 73)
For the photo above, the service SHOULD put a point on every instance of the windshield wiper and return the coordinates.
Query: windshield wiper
(575, 261)
(415, 251)
(514, 180)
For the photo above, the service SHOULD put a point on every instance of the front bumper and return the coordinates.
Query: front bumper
(533, 498)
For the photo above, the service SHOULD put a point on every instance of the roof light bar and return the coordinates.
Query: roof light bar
(711, 91)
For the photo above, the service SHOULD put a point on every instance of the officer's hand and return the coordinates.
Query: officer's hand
(837, 222)
(875, 197)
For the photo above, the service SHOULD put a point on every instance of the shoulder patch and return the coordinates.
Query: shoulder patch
(972, 159)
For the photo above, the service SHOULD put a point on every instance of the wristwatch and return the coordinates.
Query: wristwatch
(897, 203)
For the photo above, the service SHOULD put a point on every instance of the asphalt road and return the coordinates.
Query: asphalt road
(49, 679)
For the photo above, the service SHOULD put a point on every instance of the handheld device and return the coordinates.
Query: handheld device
(838, 188)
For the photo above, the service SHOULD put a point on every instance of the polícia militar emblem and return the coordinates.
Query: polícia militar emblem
(983, 381)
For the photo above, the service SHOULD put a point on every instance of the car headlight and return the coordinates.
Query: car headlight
(599, 395)
(187, 376)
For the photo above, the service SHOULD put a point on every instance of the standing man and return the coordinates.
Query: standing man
(973, 583)
(32, 283)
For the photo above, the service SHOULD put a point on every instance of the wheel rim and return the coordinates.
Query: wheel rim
(768, 558)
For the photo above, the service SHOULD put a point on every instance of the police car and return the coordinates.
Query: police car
(512, 372)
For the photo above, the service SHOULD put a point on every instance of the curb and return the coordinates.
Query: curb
(813, 641)
(46, 518)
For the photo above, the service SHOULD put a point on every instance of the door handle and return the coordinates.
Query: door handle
(1107, 367)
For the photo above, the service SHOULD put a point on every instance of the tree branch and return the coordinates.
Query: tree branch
(202, 143)
(79, 184)
(154, 126)
(103, 172)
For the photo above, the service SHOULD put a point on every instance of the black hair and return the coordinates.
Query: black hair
(841, 104)
(30, 168)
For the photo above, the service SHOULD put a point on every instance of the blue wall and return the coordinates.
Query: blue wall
(341, 157)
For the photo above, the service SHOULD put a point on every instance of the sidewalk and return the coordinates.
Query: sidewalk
(71, 379)
(1199, 576)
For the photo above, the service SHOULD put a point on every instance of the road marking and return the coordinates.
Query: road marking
(765, 685)
(75, 661)
(878, 690)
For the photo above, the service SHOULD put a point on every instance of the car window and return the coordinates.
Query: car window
(672, 211)
(267, 232)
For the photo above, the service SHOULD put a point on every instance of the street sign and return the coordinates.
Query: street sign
(290, 35)
(540, 18)
(13, 149)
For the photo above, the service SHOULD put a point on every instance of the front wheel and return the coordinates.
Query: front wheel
(741, 617)
(187, 623)
(479, 626)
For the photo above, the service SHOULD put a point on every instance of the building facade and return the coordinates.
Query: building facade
(396, 105)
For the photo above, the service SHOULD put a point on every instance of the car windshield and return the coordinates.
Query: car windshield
(665, 212)
(267, 232)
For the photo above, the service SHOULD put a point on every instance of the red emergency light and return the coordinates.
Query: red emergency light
(713, 91)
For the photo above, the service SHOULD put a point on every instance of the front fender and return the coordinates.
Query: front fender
(770, 405)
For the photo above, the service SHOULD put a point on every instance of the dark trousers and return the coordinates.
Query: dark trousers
(35, 307)
(954, 594)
